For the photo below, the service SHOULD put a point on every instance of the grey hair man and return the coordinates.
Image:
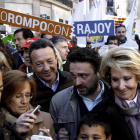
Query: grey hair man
(61, 45)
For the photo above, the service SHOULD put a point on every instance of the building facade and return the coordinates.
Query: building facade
(56, 10)
(49, 9)
(122, 8)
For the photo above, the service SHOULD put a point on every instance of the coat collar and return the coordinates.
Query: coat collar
(12, 119)
(62, 78)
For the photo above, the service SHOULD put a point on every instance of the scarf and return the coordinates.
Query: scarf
(123, 41)
(9, 117)
(132, 115)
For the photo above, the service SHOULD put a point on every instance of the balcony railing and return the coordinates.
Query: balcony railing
(68, 3)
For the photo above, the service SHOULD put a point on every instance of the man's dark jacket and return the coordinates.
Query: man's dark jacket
(119, 127)
(67, 110)
(17, 59)
(44, 94)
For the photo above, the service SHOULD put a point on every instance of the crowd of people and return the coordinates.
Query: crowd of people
(84, 93)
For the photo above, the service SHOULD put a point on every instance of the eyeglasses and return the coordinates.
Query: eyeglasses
(120, 25)
(20, 96)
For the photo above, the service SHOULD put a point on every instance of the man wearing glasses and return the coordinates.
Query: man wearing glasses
(124, 41)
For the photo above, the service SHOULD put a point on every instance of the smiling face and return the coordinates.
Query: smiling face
(20, 106)
(85, 80)
(44, 64)
(121, 33)
(92, 133)
(124, 83)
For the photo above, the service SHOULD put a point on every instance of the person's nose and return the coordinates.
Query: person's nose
(121, 85)
(78, 82)
(68, 50)
(122, 33)
(24, 100)
(16, 42)
(46, 67)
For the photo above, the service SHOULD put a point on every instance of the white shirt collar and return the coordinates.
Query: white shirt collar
(88, 102)
(54, 85)
(134, 100)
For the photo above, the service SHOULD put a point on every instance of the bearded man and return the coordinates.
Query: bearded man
(70, 105)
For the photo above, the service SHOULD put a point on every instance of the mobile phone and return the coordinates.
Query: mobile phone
(35, 110)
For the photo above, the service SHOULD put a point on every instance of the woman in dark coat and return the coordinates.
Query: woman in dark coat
(120, 68)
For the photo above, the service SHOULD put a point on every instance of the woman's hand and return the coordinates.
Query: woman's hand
(26, 121)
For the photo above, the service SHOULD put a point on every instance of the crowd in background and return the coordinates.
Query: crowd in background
(85, 93)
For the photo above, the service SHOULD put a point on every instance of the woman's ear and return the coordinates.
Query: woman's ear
(109, 137)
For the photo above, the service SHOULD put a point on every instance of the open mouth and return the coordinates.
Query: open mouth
(27, 60)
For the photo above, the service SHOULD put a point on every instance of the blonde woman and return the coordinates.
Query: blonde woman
(120, 68)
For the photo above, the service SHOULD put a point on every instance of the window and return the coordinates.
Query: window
(61, 20)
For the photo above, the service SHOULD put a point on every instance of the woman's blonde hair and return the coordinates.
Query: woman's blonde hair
(117, 58)
(59, 59)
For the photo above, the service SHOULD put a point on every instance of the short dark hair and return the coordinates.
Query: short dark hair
(120, 25)
(96, 119)
(86, 55)
(113, 37)
(40, 43)
(55, 39)
(27, 33)
(42, 35)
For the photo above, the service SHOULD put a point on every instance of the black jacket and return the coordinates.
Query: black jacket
(119, 127)
(44, 94)
(17, 59)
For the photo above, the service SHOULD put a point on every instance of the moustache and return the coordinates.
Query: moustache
(81, 86)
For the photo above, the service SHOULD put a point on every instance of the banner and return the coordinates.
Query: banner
(130, 21)
(10, 40)
(138, 27)
(94, 28)
(97, 12)
(81, 11)
(34, 23)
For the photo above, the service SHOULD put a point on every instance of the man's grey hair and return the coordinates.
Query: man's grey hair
(56, 39)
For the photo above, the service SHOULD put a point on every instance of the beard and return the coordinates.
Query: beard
(90, 90)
